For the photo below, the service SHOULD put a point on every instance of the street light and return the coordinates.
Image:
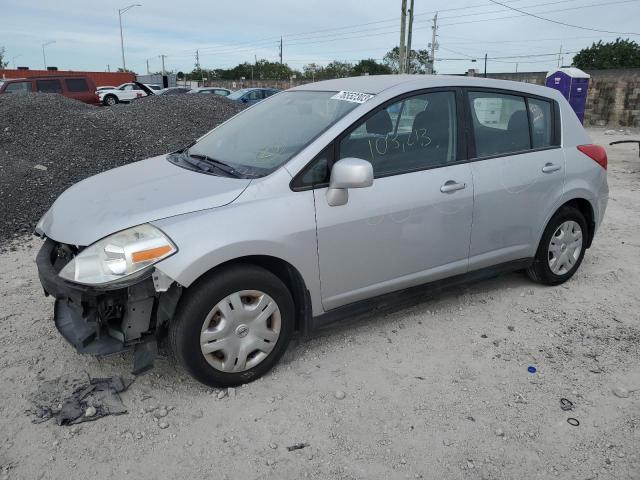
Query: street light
(120, 12)
(44, 57)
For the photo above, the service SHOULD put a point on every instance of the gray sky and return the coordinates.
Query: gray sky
(86, 33)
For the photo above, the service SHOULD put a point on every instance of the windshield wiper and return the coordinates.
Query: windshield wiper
(226, 168)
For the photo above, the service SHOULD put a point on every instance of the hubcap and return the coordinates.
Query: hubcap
(240, 331)
(565, 247)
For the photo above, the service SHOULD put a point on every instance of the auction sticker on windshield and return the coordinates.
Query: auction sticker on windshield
(355, 97)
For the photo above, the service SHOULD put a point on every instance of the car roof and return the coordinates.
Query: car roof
(43, 77)
(375, 84)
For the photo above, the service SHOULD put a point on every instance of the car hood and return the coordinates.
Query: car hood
(131, 195)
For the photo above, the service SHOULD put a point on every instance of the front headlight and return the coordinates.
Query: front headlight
(118, 256)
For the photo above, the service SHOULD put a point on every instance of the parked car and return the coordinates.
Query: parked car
(320, 203)
(124, 93)
(251, 95)
(212, 90)
(173, 91)
(76, 87)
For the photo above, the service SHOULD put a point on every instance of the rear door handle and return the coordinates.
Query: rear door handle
(550, 167)
(451, 186)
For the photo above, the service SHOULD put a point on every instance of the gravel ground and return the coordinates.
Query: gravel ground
(49, 142)
(436, 391)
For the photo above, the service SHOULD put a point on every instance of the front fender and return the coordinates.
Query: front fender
(281, 227)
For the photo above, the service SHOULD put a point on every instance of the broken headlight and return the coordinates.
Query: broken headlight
(119, 256)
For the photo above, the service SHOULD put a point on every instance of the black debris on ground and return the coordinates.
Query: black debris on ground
(49, 142)
(297, 446)
(72, 400)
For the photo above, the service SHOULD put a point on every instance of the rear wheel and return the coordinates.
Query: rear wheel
(110, 100)
(233, 326)
(561, 248)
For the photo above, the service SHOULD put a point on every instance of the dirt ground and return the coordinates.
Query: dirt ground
(437, 391)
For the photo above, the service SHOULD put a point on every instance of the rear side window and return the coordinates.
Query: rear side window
(49, 86)
(500, 123)
(18, 87)
(540, 116)
(76, 85)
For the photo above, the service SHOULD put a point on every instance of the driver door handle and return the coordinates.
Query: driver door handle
(550, 167)
(452, 186)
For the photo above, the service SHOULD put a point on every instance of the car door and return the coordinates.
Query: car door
(78, 89)
(49, 86)
(518, 173)
(253, 96)
(127, 92)
(413, 224)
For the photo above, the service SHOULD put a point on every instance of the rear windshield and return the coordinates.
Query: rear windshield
(264, 137)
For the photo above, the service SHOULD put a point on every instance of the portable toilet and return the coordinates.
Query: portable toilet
(573, 83)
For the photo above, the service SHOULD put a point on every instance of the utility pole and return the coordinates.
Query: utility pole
(280, 50)
(163, 71)
(403, 21)
(198, 59)
(485, 65)
(108, 67)
(407, 68)
(44, 57)
(120, 12)
(148, 71)
(559, 56)
(13, 60)
(433, 44)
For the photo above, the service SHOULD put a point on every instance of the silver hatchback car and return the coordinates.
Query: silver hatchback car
(320, 203)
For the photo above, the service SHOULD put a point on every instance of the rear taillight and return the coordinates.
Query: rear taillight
(596, 153)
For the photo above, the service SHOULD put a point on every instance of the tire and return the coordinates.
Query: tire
(556, 263)
(110, 100)
(225, 310)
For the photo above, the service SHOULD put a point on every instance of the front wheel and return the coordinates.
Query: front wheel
(561, 248)
(110, 100)
(233, 325)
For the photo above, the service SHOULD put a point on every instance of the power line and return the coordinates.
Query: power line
(310, 40)
(310, 35)
(561, 23)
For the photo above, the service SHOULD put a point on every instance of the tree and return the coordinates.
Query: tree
(618, 54)
(418, 60)
(338, 69)
(3, 63)
(371, 67)
(122, 70)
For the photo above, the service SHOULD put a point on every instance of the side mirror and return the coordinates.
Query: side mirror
(245, 100)
(348, 173)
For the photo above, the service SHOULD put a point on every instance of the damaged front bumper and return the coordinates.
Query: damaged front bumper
(111, 319)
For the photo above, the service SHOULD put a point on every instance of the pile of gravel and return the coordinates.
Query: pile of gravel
(49, 142)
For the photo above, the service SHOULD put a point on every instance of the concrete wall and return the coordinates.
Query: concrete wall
(614, 95)
(99, 78)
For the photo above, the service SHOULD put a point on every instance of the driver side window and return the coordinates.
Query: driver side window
(412, 134)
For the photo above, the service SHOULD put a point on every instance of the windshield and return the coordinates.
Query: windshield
(238, 93)
(261, 139)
